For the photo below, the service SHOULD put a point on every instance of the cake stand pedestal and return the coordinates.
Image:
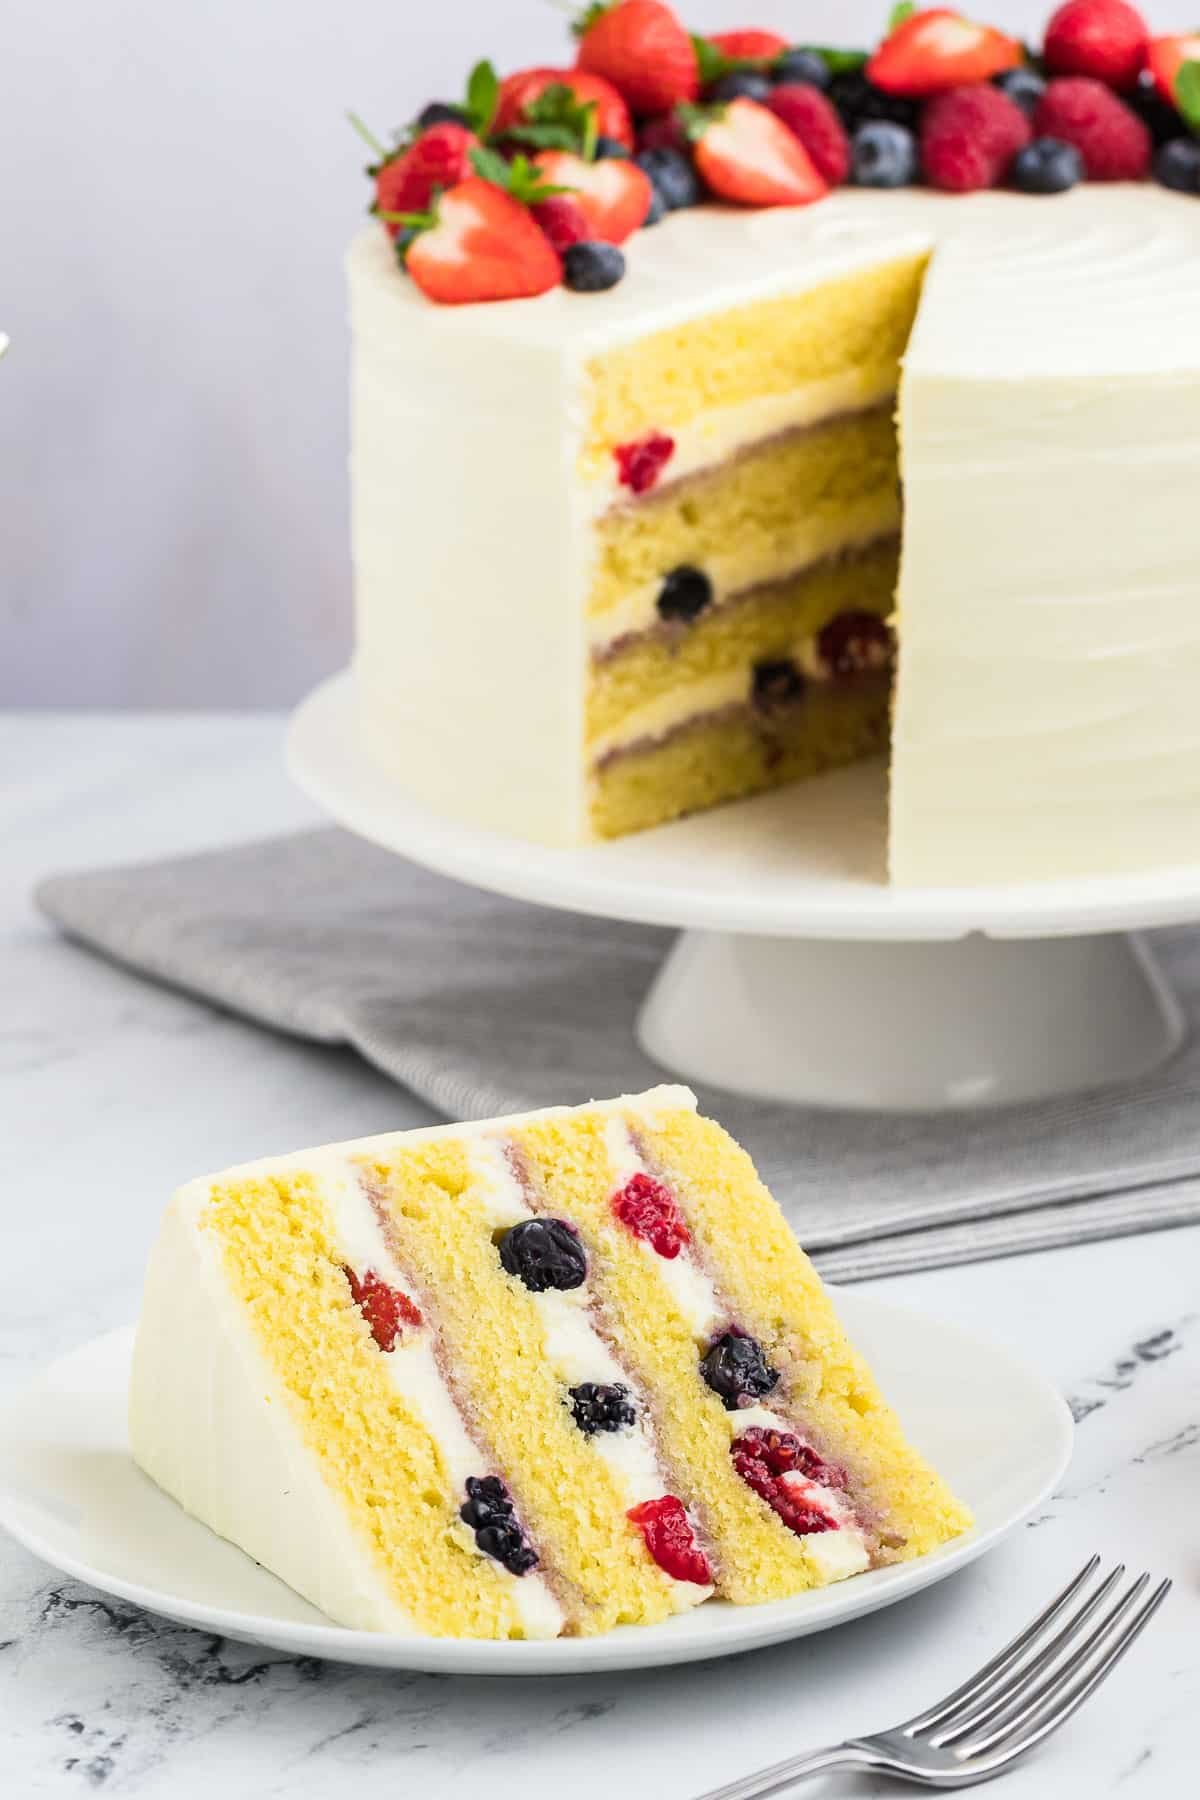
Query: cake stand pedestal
(800, 975)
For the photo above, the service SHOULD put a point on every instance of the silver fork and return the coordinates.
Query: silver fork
(1028, 1690)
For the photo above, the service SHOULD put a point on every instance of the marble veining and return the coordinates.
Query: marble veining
(112, 1090)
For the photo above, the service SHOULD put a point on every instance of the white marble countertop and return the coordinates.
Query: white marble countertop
(112, 1090)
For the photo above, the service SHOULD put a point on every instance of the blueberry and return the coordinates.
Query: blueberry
(592, 266)
(600, 1407)
(544, 1253)
(657, 209)
(613, 148)
(776, 683)
(883, 155)
(736, 1369)
(1177, 165)
(672, 174)
(1024, 85)
(739, 84)
(859, 102)
(439, 112)
(801, 65)
(684, 594)
(1047, 166)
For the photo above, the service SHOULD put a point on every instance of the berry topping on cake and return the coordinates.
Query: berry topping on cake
(739, 84)
(812, 118)
(641, 462)
(883, 155)
(1177, 165)
(748, 45)
(783, 1453)
(441, 112)
(651, 1211)
(802, 65)
(736, 1369)
(684, 594)
(600, 1406)
(607, 147)
(563, 220)
(859, 101)
(1105, 39)
(1047, 166)
(641, 47)
(489, 1511)
(766, 1471)
(969, 138)
(1174, 65)
(747, 155)
(479, 243)
(931, 51)
(855, 643)
(544, 1253)
(1113, 142)
(439, 158)
(613, 196)
(386, 1310)
(674, 179)
(593, 266)
(776, 682)
(670, 1539)
(665, 131)
(528, 99)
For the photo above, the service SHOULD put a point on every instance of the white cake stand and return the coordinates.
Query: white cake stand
(800, 975)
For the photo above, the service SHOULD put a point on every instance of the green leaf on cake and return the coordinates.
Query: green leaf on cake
(559, 120)
(483, 97)
(1187, 93)
(898, 14)
(711, 61)
(840, 62)
(519, 177)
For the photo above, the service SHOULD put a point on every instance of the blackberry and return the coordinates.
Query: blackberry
(1024, 85)
(489, 1511)
(777, 683)
(1046, 166)
(801, 65)
(613, 148)
(1157, 115)
(600, 1407)
(544, 1253)
(737, 1371)
(739, 84)
(673, 176)
(440, 112)
(883, 155)
(684, 594)
(858, 102)
(1177, 165)
(593, 266)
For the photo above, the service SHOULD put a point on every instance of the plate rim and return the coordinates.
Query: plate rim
(748, 1628)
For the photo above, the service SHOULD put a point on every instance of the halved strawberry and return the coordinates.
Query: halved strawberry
(613, 195)
(519, 93)
(1166, 56)
(481, 244)
(747, 155)
(749, 45)
(440, 158)
(641, 47)
(931, 51)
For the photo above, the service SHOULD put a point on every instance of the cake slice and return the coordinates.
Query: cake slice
(537, 1376)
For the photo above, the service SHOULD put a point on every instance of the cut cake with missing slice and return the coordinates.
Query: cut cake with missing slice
(536, 1376)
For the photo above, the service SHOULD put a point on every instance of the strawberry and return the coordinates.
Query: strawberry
(748, 45)
(1166, 56)
(1113, 142)
(643, 50)
(563, 220)
(969, 138)
(931, 51)
(748, 155)
(810, 116)
(613, 195)
(1105, 39)
(407, 182)
(520, 93)
(481, 244)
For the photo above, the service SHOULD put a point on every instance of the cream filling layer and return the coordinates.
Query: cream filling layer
(412, 1366)
(731, 572)
(703, 443)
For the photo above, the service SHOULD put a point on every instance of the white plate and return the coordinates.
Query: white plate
(69, 1492)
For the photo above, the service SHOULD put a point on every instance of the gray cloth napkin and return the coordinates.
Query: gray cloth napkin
(482, 1005)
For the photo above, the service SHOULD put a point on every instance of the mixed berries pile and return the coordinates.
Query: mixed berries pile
(536, 180)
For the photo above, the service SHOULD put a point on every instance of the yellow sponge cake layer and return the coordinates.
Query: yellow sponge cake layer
(845, 336)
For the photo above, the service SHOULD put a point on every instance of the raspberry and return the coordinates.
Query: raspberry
(784, 1453)
(651, 1211)
(855, 643)
(764, 1459)
(969, 137)
(384, 1307)
(642, 462)
(1113, 142)
(811, 117)
(1105, 39)
(439, 158)
(563, 221)
(665, 131)
(670, 1539)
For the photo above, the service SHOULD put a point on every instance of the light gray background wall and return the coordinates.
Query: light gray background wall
(176, 185)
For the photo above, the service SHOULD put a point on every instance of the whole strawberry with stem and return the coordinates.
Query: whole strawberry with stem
(480, 241)
(643, 49)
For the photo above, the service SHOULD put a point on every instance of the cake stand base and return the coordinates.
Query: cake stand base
(976, 1021)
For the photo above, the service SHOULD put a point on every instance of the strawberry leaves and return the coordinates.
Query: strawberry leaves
(520, 178)
(559, 120)
(483, 96)
(1187, 94)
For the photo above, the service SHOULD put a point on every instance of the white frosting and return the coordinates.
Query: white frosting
(1049, 413)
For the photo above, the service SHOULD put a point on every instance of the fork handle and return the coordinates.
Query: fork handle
(781, 1776)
